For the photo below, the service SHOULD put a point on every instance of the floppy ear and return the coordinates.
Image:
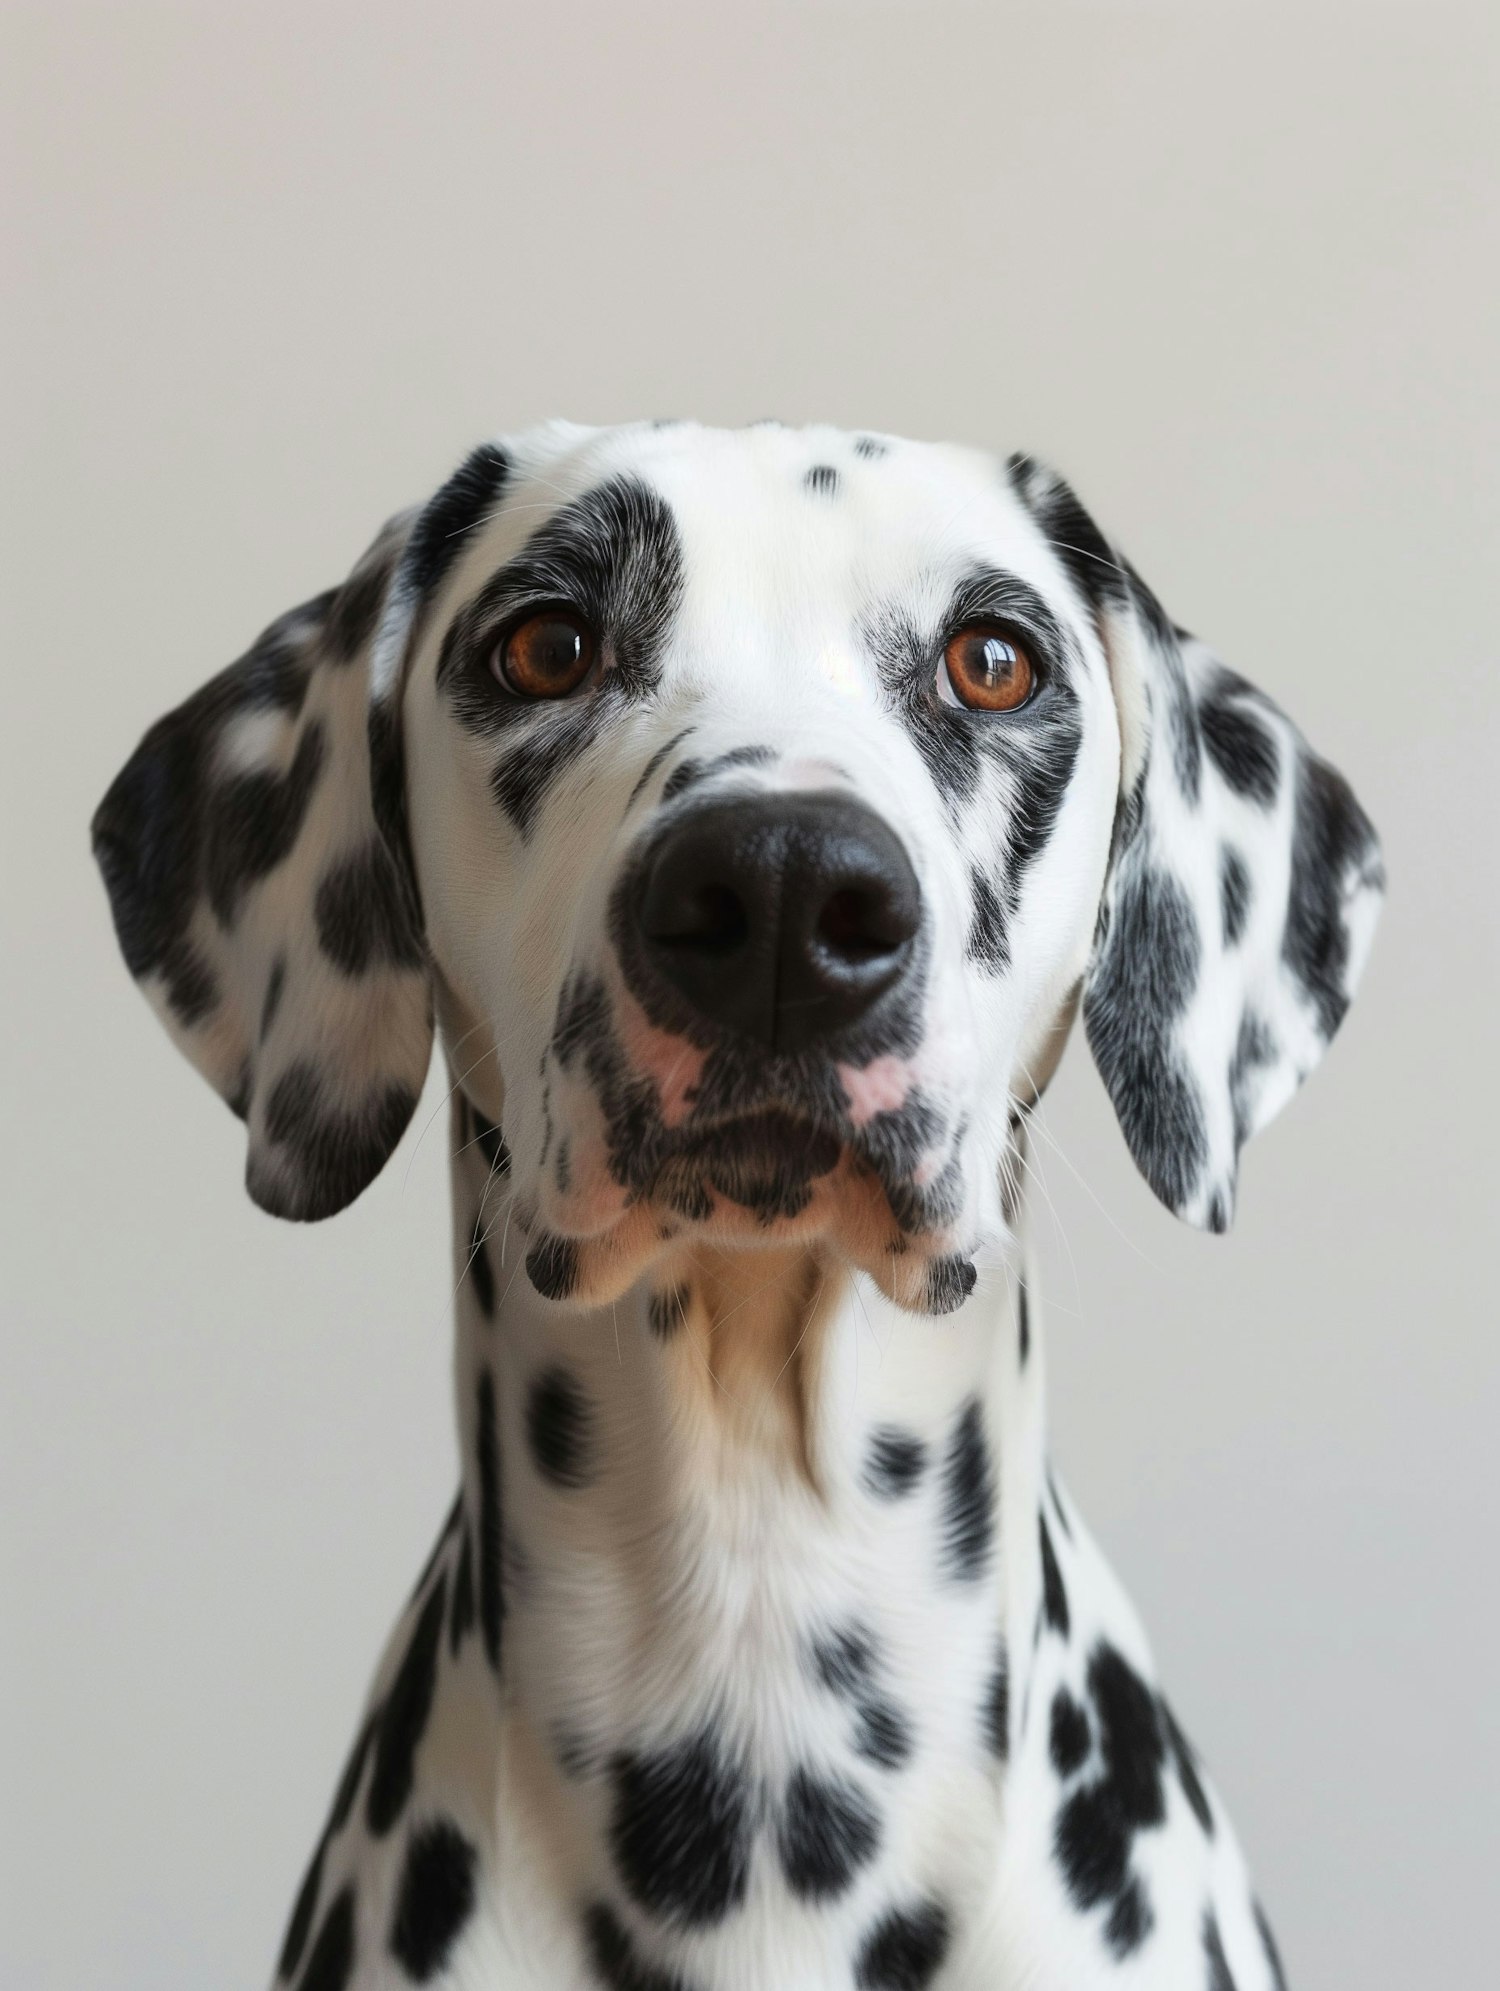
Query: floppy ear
(254, 852)
(1241, 897)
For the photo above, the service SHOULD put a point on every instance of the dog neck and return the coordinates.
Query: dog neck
(749, 1524)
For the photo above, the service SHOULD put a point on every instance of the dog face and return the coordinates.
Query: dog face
(754, 807)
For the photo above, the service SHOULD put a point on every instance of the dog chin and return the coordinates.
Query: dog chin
(775, 1182)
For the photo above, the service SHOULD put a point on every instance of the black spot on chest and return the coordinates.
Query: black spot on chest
(1097, 1826)
(904, 1950)
(558, 1428)
(897, 1459)
(1068, 1734)
(822, 480)
(403, 1720)
(680, 1830)
(616, 1963)
(968, 1497)
(827, 1831)
(435, 1898)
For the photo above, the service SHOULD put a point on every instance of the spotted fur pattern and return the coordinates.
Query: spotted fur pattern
(760, 1646)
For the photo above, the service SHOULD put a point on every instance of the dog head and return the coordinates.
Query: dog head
(752, 810)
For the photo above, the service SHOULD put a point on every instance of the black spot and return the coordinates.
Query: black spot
(1079, 544)
(333, 1152)
(451, 517)
(1068, 1734)
(462, 1615)
(1023, 1322)
(1254, 1048)
(1238, 743)
(680, 1830)
(552, 1265)
(487, 1458)
(271, 1001)
(904, 1950)
(822, 480)
(253, 822)
(844, 1660)
(654, 763)
(1187, 1769)
(882, 1734)
(1096, 1827)
(827, 1831)
(950, 1281)
(1144, 974)
(1054, 1593)
(1268, 1944)
(435, 1553)
(562, 1166)
(614, 1957)
(1234, 894)
(435, 1899)
(667, 1311)
(1332, 844)
(343, 1803)
(354, 612)
(332, 1957)
(362, 914)
(1130, 1920)
(403, 1721)
(896, 1461)
(997, 1705)
(870, 447)
(481, 1273)
(968, 1497)
(1220, 1977)
(690, 773)
(558, 1427)
(986, 943)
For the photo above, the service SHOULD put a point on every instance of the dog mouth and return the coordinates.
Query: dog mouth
(767, 1161)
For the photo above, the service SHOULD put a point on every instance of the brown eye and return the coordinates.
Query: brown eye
(546, 656)
(986, 670)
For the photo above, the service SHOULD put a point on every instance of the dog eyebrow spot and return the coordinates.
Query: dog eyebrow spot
(691, 772)
(822, 480)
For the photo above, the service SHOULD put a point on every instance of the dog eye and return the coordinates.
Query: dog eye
(546, 656)
(986, 670)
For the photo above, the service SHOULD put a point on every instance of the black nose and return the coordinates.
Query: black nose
(781, 917)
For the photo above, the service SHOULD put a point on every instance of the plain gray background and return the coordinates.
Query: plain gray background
(268, 273)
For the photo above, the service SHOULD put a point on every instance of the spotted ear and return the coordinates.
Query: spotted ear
(1243, 889)
(254, 852)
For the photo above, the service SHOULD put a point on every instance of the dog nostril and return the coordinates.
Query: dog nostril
(857, 925)
(709, 918)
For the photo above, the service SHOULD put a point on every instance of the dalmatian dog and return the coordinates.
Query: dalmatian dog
(750, 813)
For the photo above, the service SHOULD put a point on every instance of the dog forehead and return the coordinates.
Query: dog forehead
(786, 520)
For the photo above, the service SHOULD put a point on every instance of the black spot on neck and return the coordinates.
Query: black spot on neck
(904, 1950)
(827, 1830)
(403, 1720)
(897, 1459)
(968, 1497)
(680, 1830)
(1054, 1592)
(1068, 1734)
(434, 1900)
(559, 1428)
